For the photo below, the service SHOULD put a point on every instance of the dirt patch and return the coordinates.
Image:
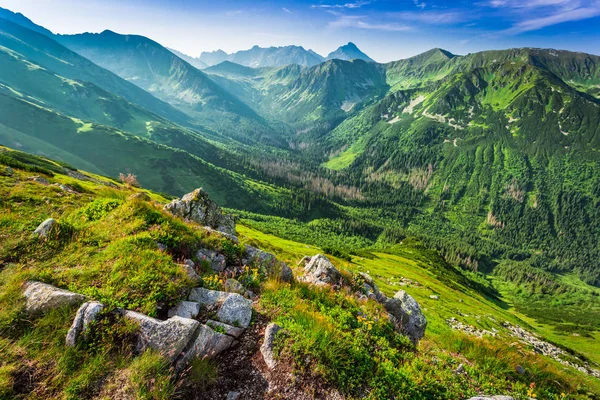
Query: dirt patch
(243, 370)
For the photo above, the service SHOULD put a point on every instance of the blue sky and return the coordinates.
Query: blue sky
(385, 29)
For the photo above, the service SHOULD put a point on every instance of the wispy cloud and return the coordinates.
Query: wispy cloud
(420, 4)
(287, 10)
(534, 15)
(362, 22)
(433, 17)
(356, 4)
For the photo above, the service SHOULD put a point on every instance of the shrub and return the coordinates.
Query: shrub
(130, 180)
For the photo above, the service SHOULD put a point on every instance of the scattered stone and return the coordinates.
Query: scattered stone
(261, 257)
(44, 229)
(65, 188)
(208, 343)
(520, 370)
(233, 396)
(207, 297)
(190, 270)
(224, 328)
(233, 286)
(434, 297)
(370, 289)
(41, 180)
(236, 310)
(161, 247)
(320, 271)
(217, 261)
(468, 329)
(407, 314)
(460, 369)
(85, 315)
(82, 177)
(198, 207)
(267, 347)
(185, 309)
(168, 337)
(141, 196)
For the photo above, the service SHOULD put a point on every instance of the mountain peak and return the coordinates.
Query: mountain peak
(349, 52)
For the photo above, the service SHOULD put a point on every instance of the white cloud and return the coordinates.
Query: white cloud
(356, 4)
(360, 22)
(287, 10)
(433, 17)
(533, 24)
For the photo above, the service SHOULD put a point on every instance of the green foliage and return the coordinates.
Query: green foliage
(98, 209)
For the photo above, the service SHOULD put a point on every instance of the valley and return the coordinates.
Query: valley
(469, 181)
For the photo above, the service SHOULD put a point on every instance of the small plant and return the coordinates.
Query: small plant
(212, 282)
(202, 373)
(130, 180)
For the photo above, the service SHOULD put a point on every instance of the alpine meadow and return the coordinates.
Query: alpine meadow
(208, 210)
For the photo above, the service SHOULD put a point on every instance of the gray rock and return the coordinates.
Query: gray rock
(185, 309)
(370, 289)
(65, 188)
(87, 313)
(236, 310)
(169, 337)
(434, 297)
(407, 314)
(207, 343)
(231, 237)
(258, 256)
(233, 286)
(41, 180)
(224, 328)
(286, 274)
(217, 261)
(161, 247)
(207, 297)
(233, 396)
(320, 271)
(460, 369)
(42, 297)
(190, 270)
(44, 229)
(520, 370)
(267, 347)
(198, 207)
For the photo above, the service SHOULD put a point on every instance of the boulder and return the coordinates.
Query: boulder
(198, 207)
(44, 229)
(185, 309)
(217, 261)
(286, 274)
(87, 313)
(236, 310)
(169, 337)
(190, 270)
(224, 328)
(320, 271)
(65, 188)
(207, 343)
(407, 315)
(42, 297)
(267, 347)
(233, 286)
(261, 257)
(207, 297)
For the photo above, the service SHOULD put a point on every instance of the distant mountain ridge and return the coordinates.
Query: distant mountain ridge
(258, 57)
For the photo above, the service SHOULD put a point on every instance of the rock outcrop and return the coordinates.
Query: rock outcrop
(198, 207)
(407, 315)
(267, 347)
(87, 313)
(45, 228)
(208, 343)
(236, 310)
(185, 309)
(320, 271)
(42, 297)
(169, 337)
(216, 261)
